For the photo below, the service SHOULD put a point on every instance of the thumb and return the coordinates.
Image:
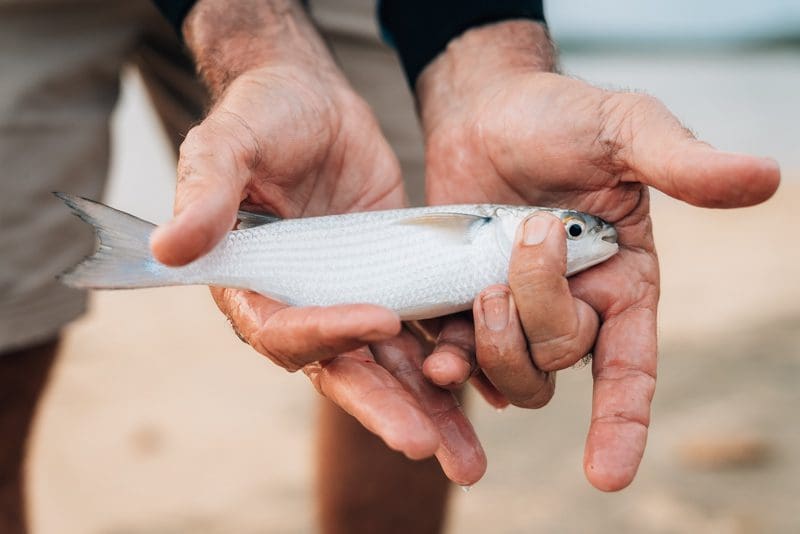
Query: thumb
(208, 193)
(662, 153)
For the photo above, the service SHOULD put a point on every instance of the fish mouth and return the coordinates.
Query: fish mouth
(609, 236)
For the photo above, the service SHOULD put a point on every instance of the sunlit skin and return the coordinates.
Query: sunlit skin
(289, 136)
(501, 128)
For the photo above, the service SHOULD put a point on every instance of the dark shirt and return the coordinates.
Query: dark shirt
(418, 29)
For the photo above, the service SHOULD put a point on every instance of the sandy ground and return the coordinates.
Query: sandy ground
(159, 420)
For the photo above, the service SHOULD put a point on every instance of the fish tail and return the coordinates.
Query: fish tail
(122, 258)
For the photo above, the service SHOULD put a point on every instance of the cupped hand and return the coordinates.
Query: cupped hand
(287, 135)
(501, 129)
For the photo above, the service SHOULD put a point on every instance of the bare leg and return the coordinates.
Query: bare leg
(364, 487)
(23, 375)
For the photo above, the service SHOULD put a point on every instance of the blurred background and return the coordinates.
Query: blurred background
(159, 420)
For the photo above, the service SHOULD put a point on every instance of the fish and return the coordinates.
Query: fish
(420, 262)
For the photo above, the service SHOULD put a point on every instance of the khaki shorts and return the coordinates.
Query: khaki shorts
(61, 62)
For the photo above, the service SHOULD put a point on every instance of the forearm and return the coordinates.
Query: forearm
(229, 38)
(478, 56)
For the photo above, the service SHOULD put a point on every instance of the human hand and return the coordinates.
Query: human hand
(501, 128)
(494, 351)
(288, 135)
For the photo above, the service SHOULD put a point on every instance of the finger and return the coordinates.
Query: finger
(425, 332)
(503, 351)
(369, 393)
(210, 186)
(648, 139)
(295, 336)
(624, 291)
(452, 361)
(560, 329)
(460, 453)
(624, 369)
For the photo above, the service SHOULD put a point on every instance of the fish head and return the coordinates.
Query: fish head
(590, 239)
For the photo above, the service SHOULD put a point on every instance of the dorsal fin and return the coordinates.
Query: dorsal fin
(457, 225)
(249, 219)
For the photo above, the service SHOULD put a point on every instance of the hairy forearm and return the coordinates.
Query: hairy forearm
(229, 38)
(477, 57)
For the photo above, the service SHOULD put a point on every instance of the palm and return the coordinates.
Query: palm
(542, 139)
(532, 158)
(314, 153)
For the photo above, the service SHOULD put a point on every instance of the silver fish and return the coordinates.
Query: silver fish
(420, 262)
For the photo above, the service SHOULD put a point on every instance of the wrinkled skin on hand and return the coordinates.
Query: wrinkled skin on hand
(285, 141)
(293, 139)
(499, 129)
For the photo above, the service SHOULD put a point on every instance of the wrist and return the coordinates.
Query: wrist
(479, 57)
(229, 39)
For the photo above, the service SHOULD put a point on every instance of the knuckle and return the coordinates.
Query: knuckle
(225, 139)
(609, 142)
(621, 115)
(644, 376)
(539, 398)
(193, 143)
(642, 104)
(192, 152)
(536, 278)
(622, 418)
(626, 107)
(249, 328)
(325, 337)
(263, 343)
(243, 142)
(264, 349)
(558, 352)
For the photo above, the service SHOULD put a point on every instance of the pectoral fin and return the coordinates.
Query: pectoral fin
(455, 225)
(248, 219)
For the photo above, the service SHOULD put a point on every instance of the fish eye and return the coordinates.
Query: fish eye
(575, 228)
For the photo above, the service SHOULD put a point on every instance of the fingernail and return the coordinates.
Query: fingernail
(772, 162)
(495, 311)
(536, 229)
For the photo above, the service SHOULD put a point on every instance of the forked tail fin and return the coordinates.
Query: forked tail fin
(122, 258)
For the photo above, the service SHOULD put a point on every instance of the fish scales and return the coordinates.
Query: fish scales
(360, 260)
